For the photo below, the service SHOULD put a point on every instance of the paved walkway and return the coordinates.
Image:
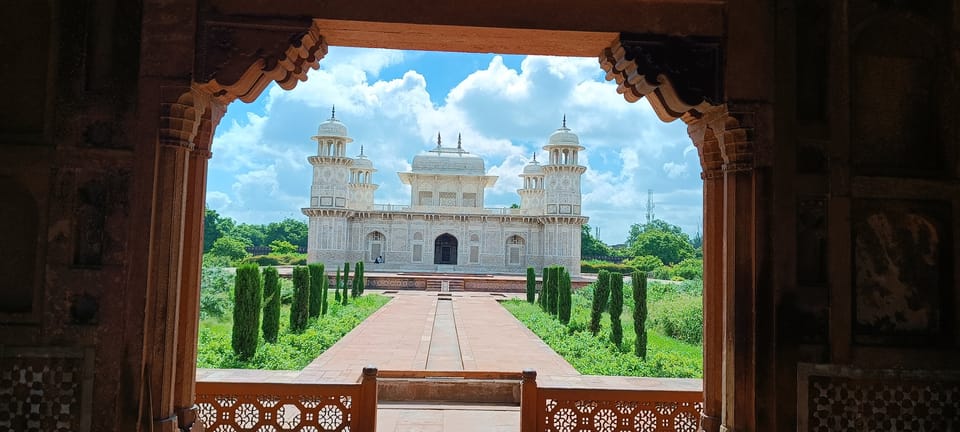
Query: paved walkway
(472, 326)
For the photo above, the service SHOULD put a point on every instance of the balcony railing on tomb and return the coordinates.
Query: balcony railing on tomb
(244, 406)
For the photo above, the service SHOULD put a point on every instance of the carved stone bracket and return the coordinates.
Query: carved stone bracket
(678, 75)
(237, 60)
(187, 120)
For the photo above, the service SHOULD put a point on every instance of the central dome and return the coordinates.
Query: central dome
(443, 160)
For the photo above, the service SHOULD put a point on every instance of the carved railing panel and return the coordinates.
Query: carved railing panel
(223, 407)
(578, 410)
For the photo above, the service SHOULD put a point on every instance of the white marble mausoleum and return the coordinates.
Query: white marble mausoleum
(445, 227)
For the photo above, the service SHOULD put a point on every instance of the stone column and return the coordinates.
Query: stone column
(191, 267)
(739, 288)
(713, 229)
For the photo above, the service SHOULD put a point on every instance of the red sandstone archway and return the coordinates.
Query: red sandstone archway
(640, 66)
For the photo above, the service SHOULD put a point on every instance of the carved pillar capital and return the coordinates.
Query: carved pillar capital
(678, 75)
(182, 110)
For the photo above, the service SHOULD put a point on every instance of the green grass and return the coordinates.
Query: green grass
(666, 357)
(292, 351)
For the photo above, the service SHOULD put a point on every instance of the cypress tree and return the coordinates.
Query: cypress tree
(300, 307)
(316, 295)
(616, 308)
(336, 287)
(639, 282)
(553, 299)
(542, 300)
(363, 278)
(325, 292)
(346, 277)
(563, 310)
(531, 284)
(355, 292)
(246, 311)
(599, 296)
(271, 304)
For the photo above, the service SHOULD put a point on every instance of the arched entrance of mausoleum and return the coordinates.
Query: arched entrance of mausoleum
(445, 250)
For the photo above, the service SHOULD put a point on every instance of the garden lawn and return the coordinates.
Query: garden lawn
(292, 351)
(596, 355)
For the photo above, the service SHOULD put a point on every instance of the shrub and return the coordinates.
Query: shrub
(597, 266)
(662, 273)
(563, 309)
(531, 284)
(680, 317)
(282, 247)
(246, 311)
(616, 309)
(215, 292)
(644, 263)
(316, 285)
(300, 308)
(230, 247)
(638, 281)
(690, 268)
(271, 304)
(276, 259)
(596, 306)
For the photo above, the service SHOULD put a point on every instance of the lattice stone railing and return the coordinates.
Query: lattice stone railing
(563, 409)
(274, 407)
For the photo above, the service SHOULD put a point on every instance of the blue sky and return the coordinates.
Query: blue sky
(505, 106)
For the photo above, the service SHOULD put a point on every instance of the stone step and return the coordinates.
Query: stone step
(438, 285)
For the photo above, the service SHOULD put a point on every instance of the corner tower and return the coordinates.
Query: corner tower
(361, 183)
(328, 227)
(562, 173)
(531, 195)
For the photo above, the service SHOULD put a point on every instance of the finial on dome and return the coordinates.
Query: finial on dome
(564, 120)
(459, 142)
(534, 156)
(361, 150)
(333, 112)
(438, 139)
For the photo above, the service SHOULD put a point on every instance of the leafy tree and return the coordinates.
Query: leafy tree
(316, 289)
(252, 233)
(214, 227)
(300, 308)
(689, 268)
(616, 308)
(670, 247)
(289, 230)
(282, 247)
(514, 206)
(531, 284)
(246, 311)
(230, 247)
(590, 245)
(565, 297)
(600, 295)
(271, 304)
(638, 281)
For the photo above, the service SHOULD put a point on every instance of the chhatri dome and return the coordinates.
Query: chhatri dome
(448, 160)
(333, 127)
(563, 136)
(361, 160)
(533, 167)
